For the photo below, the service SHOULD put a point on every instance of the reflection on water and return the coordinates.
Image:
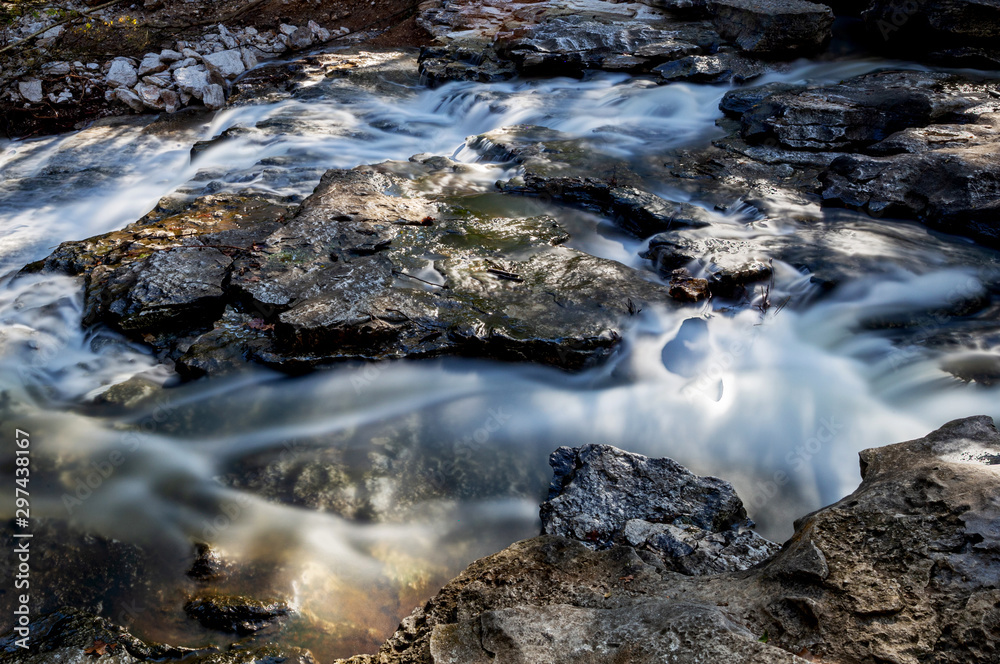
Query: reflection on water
(357, 491)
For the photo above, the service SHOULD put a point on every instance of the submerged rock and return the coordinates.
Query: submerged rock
(561, 169)
(236, 614)
(70, 636)
(904, 569)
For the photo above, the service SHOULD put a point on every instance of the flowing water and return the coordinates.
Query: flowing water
(452, 453)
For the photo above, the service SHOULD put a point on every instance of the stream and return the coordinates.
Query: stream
(778, 400)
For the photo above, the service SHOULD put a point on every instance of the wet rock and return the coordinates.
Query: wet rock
(686, 288)
(740, 100)
(360, 272)
(170, 288)
(774, 27)
(551, 38)
(862, 110)
(722, 67)
(236, 614)
(209, 566)
(640, 213)
(566, 45)
(77, 569)
(545, 156)
(604, 496)
(946, 179)
(904, 569)
(65, 636)
(129, 393)
(439, 65)
(70, 636)
(727, 265)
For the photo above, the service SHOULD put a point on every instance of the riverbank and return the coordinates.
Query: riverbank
(166, 56)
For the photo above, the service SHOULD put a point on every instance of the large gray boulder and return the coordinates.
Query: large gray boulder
(603, 496)
(121, 74)
(228, 63)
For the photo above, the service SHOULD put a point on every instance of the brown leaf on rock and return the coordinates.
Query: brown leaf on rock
(100, 648)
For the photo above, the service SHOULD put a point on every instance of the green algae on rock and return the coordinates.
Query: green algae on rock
(366, 268)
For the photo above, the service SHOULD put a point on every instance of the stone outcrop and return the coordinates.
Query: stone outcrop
(603, 496)
(903, 569)
(349, 275)
(864, 110)
(906, 144)
(674, 39)
(775, 27)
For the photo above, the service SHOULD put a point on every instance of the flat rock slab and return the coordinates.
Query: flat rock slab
(559, 168)
(368, 268)
(863, 110)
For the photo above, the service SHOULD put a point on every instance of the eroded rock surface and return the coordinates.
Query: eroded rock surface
(74, 637)
(904, 569)
(499, 40)
(366, 268)
(603, 496)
